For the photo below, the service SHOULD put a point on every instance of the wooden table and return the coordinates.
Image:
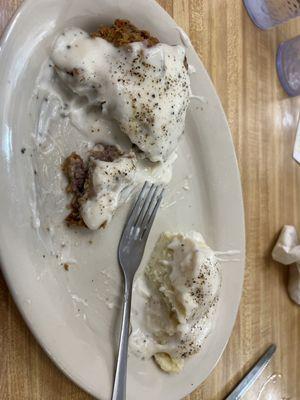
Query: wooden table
(241, 62)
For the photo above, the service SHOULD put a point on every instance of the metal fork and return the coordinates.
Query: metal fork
(130, 253)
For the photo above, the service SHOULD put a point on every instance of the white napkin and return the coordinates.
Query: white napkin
(287, 252)
(296, 153)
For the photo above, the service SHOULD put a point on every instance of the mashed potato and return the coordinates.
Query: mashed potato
(183, 281)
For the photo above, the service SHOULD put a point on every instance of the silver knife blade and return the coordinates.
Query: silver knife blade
(252, 375)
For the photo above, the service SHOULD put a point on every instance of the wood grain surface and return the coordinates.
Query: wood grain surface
(241, 61)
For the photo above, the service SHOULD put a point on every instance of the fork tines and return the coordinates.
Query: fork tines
(144, 210)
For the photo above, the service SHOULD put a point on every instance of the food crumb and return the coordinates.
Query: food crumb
(66, 267)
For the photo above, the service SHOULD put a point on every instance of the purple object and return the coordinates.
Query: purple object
(268, 13)
(288, 66)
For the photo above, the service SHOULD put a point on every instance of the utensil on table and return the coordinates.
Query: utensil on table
(130, 253)
(252, 375)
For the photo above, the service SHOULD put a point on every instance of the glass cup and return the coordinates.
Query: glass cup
(288, 66)
(268, 13)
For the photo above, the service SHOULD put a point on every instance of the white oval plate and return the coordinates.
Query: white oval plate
(69, 312)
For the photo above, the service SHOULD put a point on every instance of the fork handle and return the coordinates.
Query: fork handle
(119, 391)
